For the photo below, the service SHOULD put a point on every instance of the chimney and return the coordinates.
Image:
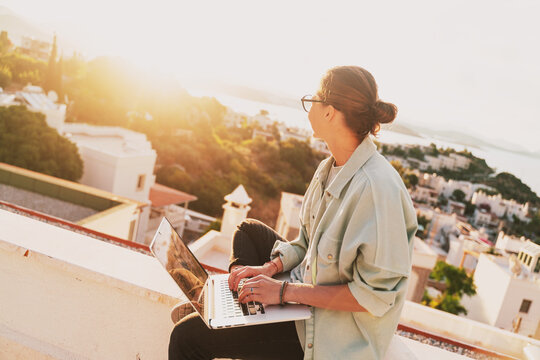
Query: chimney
(236, 210)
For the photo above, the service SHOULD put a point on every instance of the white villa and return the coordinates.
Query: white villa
(508, 291)
(35, 99)
(117, 160)
(502, 207)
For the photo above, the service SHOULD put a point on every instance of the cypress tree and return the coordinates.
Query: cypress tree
(58, 80)
(50, 77)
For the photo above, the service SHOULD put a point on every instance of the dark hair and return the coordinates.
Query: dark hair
(353, 91)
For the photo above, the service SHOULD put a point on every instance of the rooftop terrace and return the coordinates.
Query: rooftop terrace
(73, 294)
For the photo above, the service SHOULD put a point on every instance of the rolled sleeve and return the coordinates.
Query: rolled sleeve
(380, 294)
(291, 253)
(378, 250)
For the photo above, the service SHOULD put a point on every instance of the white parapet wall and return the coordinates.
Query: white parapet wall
(118, 221)
(465, 330)
(65, 295)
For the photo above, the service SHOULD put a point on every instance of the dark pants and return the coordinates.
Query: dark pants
(192, 339)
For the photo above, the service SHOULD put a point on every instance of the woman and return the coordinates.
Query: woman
(352, 257)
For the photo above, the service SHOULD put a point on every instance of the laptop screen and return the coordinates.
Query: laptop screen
(180, 263)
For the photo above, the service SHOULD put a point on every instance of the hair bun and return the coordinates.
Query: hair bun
(384, 112)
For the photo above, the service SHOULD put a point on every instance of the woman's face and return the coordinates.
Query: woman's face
(316, 118)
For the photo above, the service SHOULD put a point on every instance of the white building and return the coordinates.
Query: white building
(425, 195)
(484, 218)
(450, 186)
(508, 293)
(502, 207)
(433, 162)
(510, 244)
(291, 134)
(455, 207)
(263, 120)
(464, 251)
(447, 188)
(288, 221)
(117, 160)
(447, 162)
(529, 257)
(451, 162)
(461, 161)
(35, 48)
(233, 118)
(404, 162)
(433, 181)
(36, 100)
(268, 136)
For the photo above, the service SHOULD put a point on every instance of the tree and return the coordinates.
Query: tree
(58, 80)
(5, 43)
(458, 195)
(23, 67)
(5, 76)
(214, 225)
(443, 201)
(423, 223)
(411, 179)
(50, 82)
(26, 141)
(469, 208)
(416, 152)
(457, 282)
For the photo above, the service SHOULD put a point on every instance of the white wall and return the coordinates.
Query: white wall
(98, 168)
(115, 221)
(518, 290)
(79, 298)
(465, 330)
(492, 283)
(126, 175)
(110, 169)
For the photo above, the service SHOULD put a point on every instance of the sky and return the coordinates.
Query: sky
(470, 66)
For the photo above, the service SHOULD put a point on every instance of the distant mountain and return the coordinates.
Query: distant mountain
(17, 26)
(473, 141)
(240, 91)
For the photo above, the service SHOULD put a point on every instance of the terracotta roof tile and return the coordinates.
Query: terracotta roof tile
(161, 195)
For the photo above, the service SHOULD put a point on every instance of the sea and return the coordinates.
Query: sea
(525, 167)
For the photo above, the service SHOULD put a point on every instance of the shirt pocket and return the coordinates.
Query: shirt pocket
(328, 249)
(327, 261)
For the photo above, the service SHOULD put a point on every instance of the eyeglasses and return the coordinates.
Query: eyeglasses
(307, 102)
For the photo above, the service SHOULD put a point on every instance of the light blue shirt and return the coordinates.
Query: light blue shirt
(358, 230)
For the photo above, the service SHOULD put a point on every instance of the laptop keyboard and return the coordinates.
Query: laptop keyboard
(233, 308)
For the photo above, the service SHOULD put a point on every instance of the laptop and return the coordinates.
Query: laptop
(210, 295)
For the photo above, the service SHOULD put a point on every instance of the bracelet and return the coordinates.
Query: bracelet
(273, 263)
(282, 291)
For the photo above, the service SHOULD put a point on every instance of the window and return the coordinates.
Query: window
(525, 305)
(537, 267)
(140, 182)
(529, 258)
(520, 256)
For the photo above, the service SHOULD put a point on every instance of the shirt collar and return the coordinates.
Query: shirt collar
(358, 158)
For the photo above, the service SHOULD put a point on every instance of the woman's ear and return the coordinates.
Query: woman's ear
(329, 112)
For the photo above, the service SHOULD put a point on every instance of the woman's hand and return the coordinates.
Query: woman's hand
(260, 288)
(243, 272)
